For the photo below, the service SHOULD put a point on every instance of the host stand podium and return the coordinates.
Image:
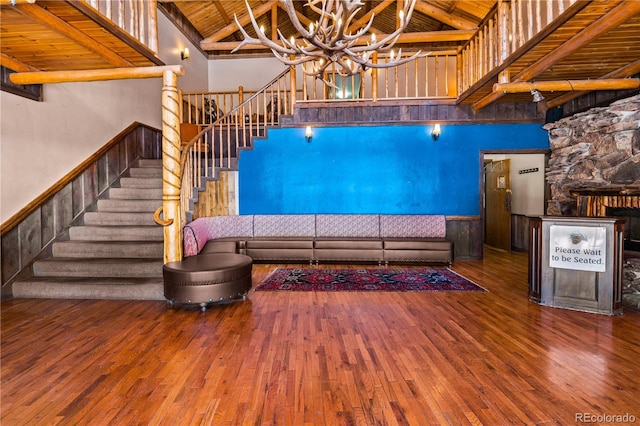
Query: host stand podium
(576, 263)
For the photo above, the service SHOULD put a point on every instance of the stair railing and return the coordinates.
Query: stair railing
(217, 145)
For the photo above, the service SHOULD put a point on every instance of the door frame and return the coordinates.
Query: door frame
(482, 153)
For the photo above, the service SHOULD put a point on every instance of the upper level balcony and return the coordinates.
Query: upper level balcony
(473, 52)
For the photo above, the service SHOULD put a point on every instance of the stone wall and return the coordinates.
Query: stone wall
(599, 148)
(593, 149)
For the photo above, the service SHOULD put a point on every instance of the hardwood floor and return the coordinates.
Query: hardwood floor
(288, 358)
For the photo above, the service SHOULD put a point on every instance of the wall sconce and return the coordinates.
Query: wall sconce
(435, 133)
(308, 134)
(184, 55)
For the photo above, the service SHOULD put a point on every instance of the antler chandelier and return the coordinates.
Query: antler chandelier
(329, 39)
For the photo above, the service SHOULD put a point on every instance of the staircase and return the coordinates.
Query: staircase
(116, 254)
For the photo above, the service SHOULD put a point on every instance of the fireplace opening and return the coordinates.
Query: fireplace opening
(631, 226)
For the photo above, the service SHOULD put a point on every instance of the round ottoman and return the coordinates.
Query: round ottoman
(207, 278)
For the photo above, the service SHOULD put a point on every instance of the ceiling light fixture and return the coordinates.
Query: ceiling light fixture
(537, 96)
(330, 40)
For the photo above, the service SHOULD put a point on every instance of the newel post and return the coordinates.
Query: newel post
(171, 173)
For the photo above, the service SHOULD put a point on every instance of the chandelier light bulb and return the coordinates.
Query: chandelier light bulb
(331, 38)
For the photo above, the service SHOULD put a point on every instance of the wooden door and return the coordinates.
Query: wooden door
(497, 217)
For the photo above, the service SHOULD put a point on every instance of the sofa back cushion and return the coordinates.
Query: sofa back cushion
(348, 225)
(199, 231)
(286, 225)
(413, 226)
(232, 226)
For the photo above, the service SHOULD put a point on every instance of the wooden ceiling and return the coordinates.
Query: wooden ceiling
(61, 35)
(594, 39)
(435, 25)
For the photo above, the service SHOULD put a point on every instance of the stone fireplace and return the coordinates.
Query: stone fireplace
(594, 170)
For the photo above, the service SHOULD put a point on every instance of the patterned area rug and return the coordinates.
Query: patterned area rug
(374, 279)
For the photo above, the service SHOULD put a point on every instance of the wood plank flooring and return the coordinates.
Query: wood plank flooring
(295, 358)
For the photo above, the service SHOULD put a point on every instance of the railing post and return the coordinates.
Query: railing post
(171, 168)
(293, 86)
(503, 31)
(374, 78)
(153, 26)
(240, 115)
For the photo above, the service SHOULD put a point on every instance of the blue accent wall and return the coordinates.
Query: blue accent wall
(386, 169)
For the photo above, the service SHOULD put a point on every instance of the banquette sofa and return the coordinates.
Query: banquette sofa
(315, 238)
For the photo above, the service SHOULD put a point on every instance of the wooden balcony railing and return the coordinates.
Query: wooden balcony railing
(512, 24)
(137, 17)
(430, 76)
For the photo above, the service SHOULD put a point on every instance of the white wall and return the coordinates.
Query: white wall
(40, 142)
(226, 75)
(527, 189)
(170, 43)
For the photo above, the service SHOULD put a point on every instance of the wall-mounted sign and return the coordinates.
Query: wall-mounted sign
(581, 248)
(524, 171)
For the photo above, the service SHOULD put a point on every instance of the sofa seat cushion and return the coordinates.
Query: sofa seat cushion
(416, 244)
(280, 243)
(222, 245)
(348, 243)
(418, 256)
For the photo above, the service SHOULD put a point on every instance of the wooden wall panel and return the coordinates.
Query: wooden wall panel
(466, 235)
(215, 200)
(520, 232)
(376, 113)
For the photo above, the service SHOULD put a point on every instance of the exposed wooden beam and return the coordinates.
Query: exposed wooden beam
(274, 22)
(568, 85)
(626, 71)
(51, 77)
(405, 38)
(15, 2)
(222, 11)
(15, 65)
(62, 27)
(367, 16)
(614, 18)
(232, 27)
(611, 20)
(225, 16)
(443, 16)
